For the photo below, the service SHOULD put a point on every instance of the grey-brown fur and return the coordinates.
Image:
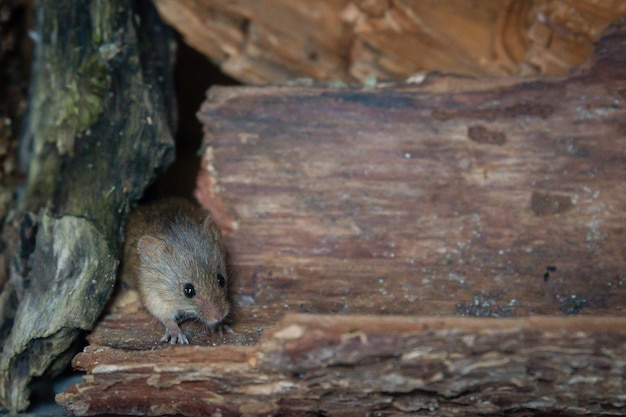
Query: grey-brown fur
(168, 244)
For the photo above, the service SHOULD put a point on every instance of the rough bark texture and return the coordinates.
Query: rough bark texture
(491, 197)
(98, 126)
(455, 197)
(363, 365)
(265, 41)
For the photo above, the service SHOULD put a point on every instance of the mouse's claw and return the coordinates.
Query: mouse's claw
(221, 328)
(174, 336)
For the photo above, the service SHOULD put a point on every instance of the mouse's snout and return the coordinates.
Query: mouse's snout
(213, 313)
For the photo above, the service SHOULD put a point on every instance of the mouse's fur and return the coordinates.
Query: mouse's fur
(169, 244)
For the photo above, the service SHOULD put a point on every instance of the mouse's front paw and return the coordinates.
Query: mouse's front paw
(174, 335)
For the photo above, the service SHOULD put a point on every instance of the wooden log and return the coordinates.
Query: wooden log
(98, 126)
(356, 365)
(491, 198)
(270, 41)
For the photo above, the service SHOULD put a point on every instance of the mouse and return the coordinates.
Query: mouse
(174, 257)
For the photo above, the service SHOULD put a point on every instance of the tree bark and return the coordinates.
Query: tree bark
(492, 197)
(271, 41)
(360, 365)
(99, 125)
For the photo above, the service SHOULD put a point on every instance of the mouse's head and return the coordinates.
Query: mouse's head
(190, 258)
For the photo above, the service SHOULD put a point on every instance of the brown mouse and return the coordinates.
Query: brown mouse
(174, 257)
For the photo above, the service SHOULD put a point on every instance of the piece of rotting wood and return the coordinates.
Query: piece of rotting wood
(488, 197)
(99, 125)
(356, 365)
(271, 41)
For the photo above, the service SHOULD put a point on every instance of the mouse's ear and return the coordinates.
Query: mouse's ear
(209, 225)
(150, 247)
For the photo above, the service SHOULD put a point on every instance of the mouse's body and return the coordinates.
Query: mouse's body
(174, 257)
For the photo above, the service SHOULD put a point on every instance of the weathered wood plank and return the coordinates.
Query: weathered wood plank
(354, 365)
(496, 199)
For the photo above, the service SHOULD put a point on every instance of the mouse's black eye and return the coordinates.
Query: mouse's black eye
(221, 280)
(189, 290)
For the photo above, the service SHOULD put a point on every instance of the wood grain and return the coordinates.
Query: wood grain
(355, 365)
(272, 41)
(455, 196)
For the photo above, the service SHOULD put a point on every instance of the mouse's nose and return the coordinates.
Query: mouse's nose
(213, 314)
